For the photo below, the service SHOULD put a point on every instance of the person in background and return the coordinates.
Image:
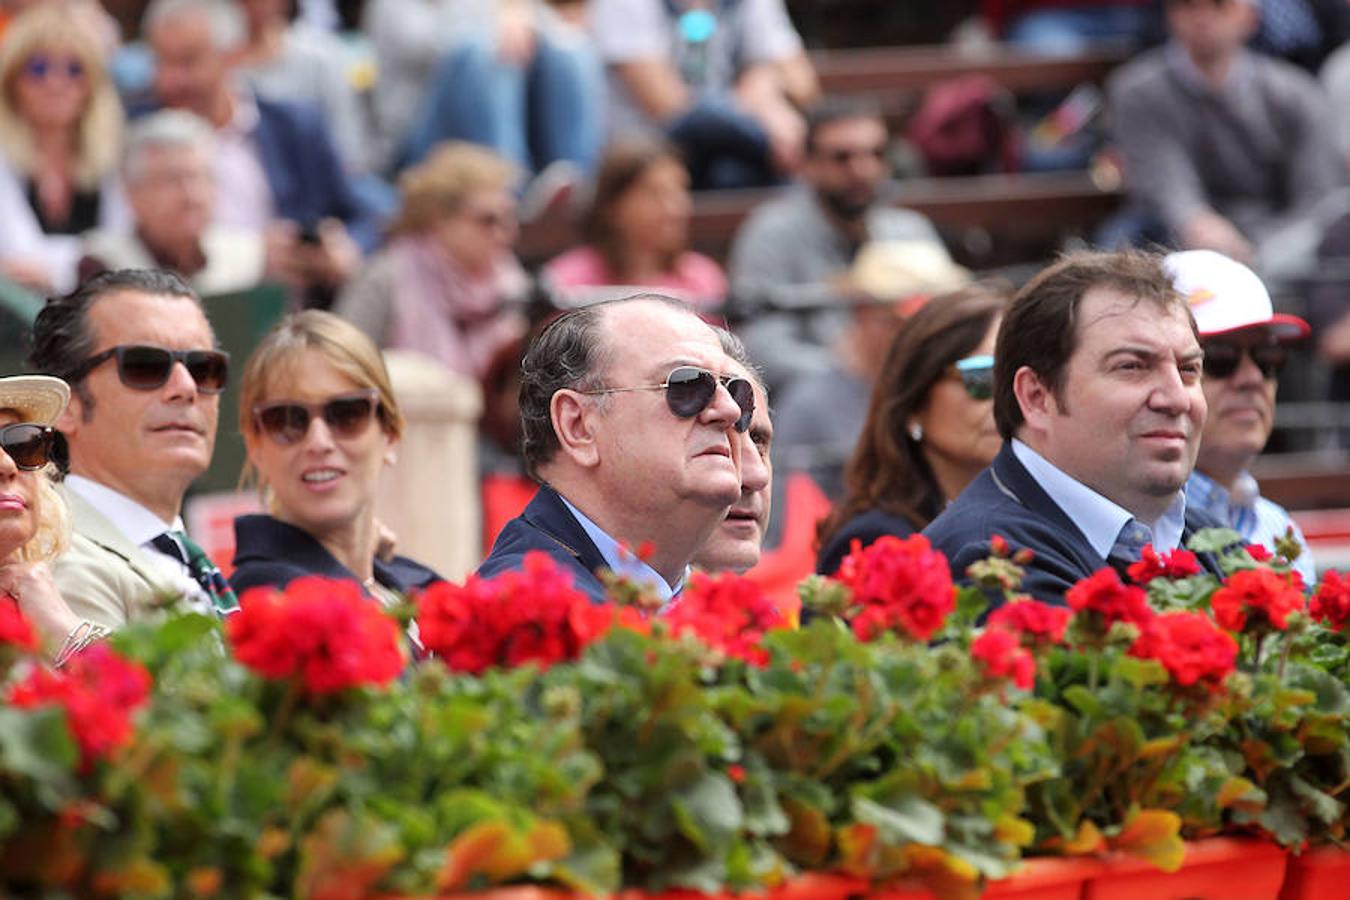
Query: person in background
(736, 543)
(1225, 149)
(637, 233)
(170, 184)
(929, 428)
(60, 141)
(320, 422)
(518, 76)
(789, 251)
(34, 523)
(1246, 343)
(446, 283)
(632, 416)
(290, 63)
(146, 378)
(821, 414)
(724, 82)
(276, 167)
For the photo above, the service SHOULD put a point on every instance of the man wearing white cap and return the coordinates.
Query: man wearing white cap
(1245, 343)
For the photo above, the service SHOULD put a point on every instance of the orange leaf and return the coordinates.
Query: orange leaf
(1088, 840)
(1155, 835)
(857, 845)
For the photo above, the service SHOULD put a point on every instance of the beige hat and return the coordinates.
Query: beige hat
(38, 398)
(1225, 296)
(898, 270)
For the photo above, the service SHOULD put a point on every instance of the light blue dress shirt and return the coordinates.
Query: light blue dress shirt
(1258, 520)
(622, 561)
(1098, 518)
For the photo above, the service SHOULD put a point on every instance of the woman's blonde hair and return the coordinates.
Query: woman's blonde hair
(346, 348)
(99, 141)
(439, 185)
(52, 536)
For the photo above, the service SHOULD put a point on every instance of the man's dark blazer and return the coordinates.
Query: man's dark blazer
(269, 552)
(1006, 500)
(548, 525)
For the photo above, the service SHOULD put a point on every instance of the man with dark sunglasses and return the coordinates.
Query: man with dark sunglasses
(146, 378)
(1245, 343)
(631, 417)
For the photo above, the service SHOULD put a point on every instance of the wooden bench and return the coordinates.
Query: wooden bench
(1029, 207)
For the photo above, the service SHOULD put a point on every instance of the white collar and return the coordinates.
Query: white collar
(138, 524)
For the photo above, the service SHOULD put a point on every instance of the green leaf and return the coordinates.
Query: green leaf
(1141, 673)
(1213, 540)
(911, 820)
(708, 812)
(1083, 701)
(36, 744)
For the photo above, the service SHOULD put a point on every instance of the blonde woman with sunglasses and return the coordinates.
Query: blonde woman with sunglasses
(320, 423)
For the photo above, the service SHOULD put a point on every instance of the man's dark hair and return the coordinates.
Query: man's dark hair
(569, 353)
(61, 336)
(1040, 330)
(837, 109)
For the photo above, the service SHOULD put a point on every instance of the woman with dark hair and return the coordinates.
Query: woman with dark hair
(637, 232)
(930, 424)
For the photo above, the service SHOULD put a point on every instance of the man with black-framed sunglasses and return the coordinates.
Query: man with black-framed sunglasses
(1245, 344)
(146, 378)
(632, 416)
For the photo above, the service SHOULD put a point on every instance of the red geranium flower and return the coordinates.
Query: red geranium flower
(1105, 594)
(14, 628)
(1331, 604)
(1038, 622)
(322, 630)
(1002, 655)
(902, 585)
(1190, 646)
(98, 691)
(533, 615)
(1178, 563)
(1259, 552)
(1266, 597)
(727, 612)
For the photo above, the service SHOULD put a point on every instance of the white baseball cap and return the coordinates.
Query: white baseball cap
(37, 398)
(1226, 296)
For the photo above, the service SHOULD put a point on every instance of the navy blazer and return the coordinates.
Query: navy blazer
(269, 552)
(548, 525)
(865, 527)
(1005, 499)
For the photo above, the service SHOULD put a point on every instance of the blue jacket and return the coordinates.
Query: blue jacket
(548, 525)
(1005, 499)
(270, 552)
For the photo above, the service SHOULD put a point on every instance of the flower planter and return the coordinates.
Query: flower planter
(1214, 869)
(1045, 879)
(1321, 874)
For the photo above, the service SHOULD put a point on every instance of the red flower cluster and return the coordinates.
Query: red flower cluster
(320, 630)
(14, 628)
(1190, 646)
(98, 690)
(1331, 604)
(898, 584)
(1104, 593)
(1178, 563)
(1002, 655)
(727, 612)
(532, 615)
(1265, 596)
(1032, 620)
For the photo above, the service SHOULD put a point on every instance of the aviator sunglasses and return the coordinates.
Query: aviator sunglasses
(145, 367)
(690, 389)
(1222, 359)
(287, 421)
(29, 445)
(977, 375)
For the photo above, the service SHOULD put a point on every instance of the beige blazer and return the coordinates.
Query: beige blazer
(104, 577)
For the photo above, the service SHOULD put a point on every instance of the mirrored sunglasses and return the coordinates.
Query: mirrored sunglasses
(348, 416)
(689, 391)
(977, 375)
(1223, 358)
(28, 444)
(146, 367)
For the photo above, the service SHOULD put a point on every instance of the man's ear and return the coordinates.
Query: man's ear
(71, 417)
(574, 420)
(1035, 399)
